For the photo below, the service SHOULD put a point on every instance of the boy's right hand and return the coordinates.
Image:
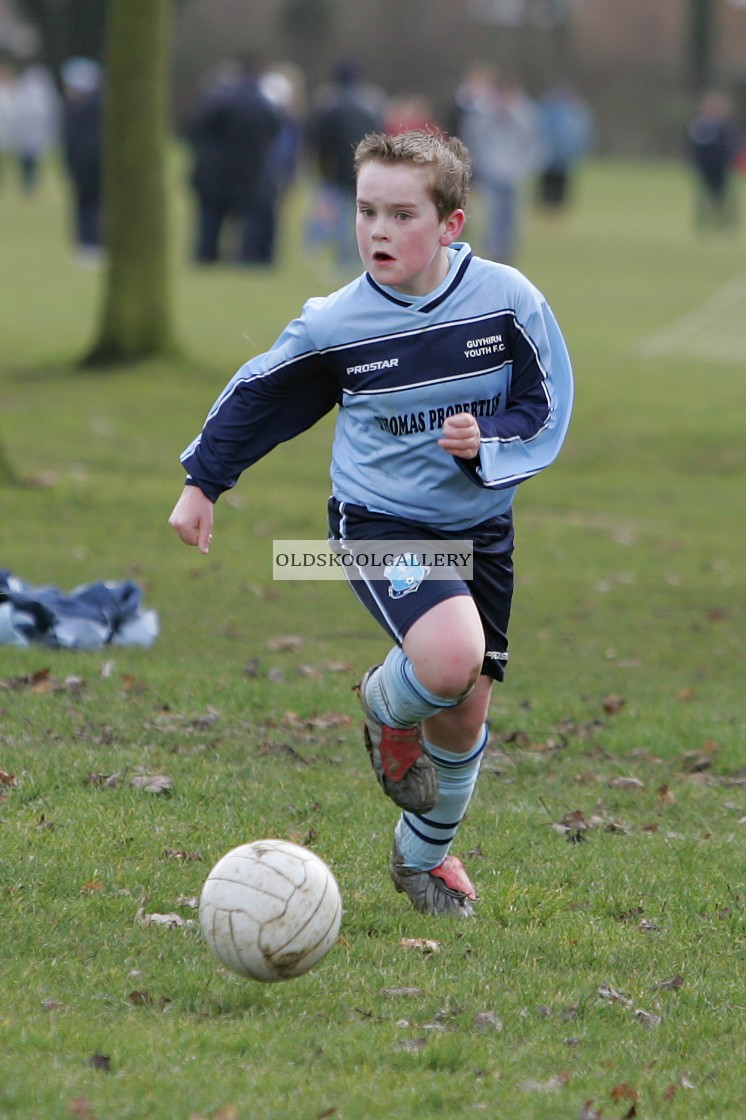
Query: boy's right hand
(192, 518)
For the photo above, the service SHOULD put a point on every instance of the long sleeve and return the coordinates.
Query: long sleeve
(527, 435)
(272, 398)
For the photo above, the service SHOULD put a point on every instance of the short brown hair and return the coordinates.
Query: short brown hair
(446, 156)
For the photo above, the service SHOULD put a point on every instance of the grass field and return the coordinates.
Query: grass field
(605, 975)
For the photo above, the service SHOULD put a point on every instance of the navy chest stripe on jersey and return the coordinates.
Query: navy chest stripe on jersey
(398, 388)
(428, 356)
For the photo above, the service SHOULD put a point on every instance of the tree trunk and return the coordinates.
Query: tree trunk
(136, 315)
(7, 477)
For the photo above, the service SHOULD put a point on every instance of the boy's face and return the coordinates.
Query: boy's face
(400, 236)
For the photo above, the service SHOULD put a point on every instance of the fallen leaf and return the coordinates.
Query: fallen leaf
(669, 985)
(316, 722)
(551, 1085)
(424, 944)
(588, 1112)
(613, 704)
(132, 683)
(28, 680)
(201, 723)
(152, 783)
(412, 1045)
(139, 999)
(310, 672)
(179, 853)
(285, 643)
(623, 1092)
(100, 1062)
(81, 1106)
(626, 783)
(631, 914)
(171, 921)
(572, 822)
(647, 1018)
(487, 1021)
(8, 780)
(696, 761)
(108, 780)
(618, 826)
(330, 719)
(612, 995)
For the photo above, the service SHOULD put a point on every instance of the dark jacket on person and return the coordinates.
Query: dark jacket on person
(81, 133)
(232, 133)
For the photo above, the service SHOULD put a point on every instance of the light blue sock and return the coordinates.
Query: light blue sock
(424, 841)
(397, 697)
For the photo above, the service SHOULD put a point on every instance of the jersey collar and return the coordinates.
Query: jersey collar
(460, 254)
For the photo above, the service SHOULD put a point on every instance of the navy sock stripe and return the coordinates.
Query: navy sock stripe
(424, 821)
(433, 841)
(466, 760)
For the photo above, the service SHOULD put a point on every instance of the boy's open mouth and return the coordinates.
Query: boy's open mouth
(381, 256)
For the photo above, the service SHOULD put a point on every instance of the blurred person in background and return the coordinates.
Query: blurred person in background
(82, 142)
(345, 112)
(567, 134)
(407, 111)
(232, 132)
(284, 85)
(36, 121)
(7, 114)
(713, 145)
(499, 123)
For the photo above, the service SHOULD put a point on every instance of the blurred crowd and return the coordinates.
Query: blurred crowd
(252, 130)
(39, 116)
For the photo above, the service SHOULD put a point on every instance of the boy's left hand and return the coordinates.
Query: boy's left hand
(461, 436)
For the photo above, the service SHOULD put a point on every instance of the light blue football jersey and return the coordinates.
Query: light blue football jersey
(485, 342)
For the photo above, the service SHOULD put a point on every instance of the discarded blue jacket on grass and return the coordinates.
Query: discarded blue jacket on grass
(88, 617)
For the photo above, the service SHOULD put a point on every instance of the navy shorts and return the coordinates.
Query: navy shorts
(491, 587)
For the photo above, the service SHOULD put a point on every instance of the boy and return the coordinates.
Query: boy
(453, 385)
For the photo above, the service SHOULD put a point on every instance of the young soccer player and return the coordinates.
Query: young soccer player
(453, 385)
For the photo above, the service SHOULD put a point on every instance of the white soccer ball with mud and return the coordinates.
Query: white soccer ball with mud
(270, 910)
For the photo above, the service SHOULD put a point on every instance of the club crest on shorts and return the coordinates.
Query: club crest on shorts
(405, 574)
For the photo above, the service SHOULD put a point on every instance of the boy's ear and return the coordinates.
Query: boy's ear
(454, 227)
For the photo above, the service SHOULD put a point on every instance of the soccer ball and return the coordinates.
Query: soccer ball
(270, 910)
